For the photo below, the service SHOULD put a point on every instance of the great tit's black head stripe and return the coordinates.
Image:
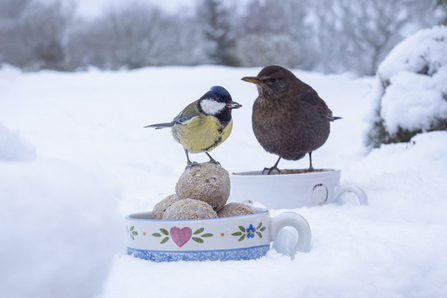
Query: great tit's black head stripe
(221, 91)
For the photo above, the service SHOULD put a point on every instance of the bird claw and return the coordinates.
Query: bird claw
(215, 162)
(270, 170)
(212, 159)
(192, 164)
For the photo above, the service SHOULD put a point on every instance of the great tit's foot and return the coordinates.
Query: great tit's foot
(213, 160)
(270, 170)
(192, 164)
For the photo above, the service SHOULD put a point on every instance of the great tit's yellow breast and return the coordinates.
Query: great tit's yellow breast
(202, 133)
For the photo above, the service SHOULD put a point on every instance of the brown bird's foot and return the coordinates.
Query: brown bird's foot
(270, 170)
(311, 168)
(275, 167)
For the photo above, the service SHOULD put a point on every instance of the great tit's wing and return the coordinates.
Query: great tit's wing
(180, 119)
(187, 114)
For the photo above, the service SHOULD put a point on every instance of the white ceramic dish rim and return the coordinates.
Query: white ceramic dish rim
(257, 210)
(260, 174)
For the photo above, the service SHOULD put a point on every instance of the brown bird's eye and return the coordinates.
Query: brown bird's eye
(272, 80)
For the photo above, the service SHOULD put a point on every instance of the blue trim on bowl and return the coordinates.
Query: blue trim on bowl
(249, 253)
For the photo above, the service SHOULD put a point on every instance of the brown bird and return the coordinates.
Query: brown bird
(289, 118)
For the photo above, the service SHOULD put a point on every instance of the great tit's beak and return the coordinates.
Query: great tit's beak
(253, 80)
(233, 105)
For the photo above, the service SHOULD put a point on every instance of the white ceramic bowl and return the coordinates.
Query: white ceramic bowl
(291, 190)
(229, 238)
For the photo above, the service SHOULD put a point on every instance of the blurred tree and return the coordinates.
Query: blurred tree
(322, 35)
(134, 36)
(275, 32)
(12, 9)
(357, 35)
(442, 6)
(32, 34)
(216, 22)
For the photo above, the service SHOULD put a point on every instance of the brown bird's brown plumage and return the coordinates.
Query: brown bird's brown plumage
(289, 118)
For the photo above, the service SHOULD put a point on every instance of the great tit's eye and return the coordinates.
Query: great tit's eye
(272, 80)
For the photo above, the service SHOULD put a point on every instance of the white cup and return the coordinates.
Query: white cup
(292, 190)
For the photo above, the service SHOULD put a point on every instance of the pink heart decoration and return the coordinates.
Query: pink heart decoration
(180, 236)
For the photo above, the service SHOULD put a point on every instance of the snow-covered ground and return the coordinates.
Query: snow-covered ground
(75, 159)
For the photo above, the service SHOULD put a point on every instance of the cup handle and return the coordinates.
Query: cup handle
(361, 195)
(296, 221)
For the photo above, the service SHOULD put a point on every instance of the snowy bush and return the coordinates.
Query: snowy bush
(410, 92)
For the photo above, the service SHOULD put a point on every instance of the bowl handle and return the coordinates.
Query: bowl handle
(361, 195)
(296, 221)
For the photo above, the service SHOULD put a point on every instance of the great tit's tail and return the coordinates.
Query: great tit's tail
(160, 125)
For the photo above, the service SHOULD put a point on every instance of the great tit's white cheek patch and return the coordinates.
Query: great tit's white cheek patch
(211, 107)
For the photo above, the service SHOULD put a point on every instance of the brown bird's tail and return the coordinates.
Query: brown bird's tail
(332, 118)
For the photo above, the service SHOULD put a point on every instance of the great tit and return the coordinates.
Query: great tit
(204, 124)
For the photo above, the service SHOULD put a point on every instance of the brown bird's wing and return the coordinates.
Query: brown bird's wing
(309, 95)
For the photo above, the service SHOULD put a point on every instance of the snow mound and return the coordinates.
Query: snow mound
(13, 147)
(59, 230)
(410, 93)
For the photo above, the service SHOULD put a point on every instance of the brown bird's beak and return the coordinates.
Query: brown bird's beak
(233, 105)
(253, 80)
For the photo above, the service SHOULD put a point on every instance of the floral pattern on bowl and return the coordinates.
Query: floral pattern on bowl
(231, 238)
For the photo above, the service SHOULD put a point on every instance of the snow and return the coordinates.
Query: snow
(59, 230)
(13, 147)
(417, 71)
(63, 205)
